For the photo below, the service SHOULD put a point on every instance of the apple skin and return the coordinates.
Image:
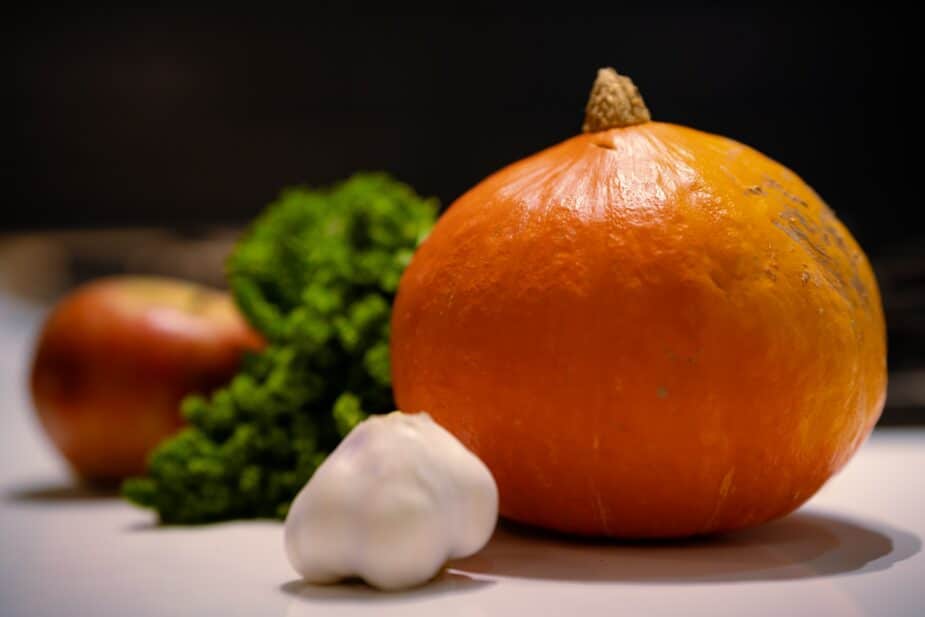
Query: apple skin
(115, 359)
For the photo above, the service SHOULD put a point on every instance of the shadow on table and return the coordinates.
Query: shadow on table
(358, 592)
(803, 545)
(52, 493)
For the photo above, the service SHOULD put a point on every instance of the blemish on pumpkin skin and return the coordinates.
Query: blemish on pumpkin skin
(817, 239)
(774, 184)
(662, 392)
(821, 257)
(726, 484)
(725, 488)
(719, 280)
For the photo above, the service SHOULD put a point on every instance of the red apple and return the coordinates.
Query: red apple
(116, 357)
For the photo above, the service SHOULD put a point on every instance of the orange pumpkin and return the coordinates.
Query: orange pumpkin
(644, 331)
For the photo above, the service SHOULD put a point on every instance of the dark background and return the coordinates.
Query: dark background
(182, 119)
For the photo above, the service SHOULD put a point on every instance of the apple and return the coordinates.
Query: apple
(116, 357)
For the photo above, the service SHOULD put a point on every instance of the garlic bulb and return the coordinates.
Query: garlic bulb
(398, 497)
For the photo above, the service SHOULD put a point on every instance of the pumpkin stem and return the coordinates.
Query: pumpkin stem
(615, 102)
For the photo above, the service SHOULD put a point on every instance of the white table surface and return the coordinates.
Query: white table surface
(856, 549)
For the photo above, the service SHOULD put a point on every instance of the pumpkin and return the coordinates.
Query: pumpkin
(645, 331)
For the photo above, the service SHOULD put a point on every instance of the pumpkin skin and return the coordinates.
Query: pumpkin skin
(646, 331)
